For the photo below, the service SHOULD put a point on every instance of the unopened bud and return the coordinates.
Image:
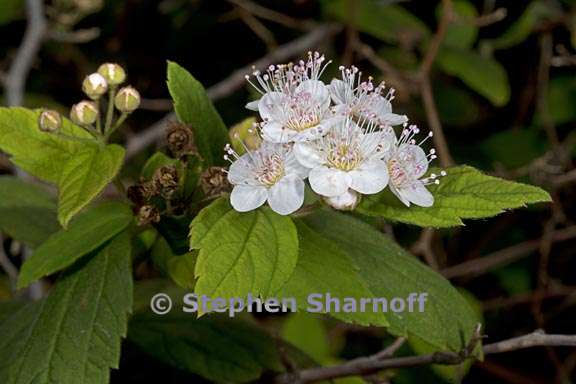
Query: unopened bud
(50, 121)
(345, 202)
(94, 86)
(148, 214)
(214, 182)
(113, 73)
(127, 100)
(180, 140)
(84, 113)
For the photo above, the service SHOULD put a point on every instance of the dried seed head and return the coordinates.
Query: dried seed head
(148, 214)
(166, 181)
(180, 140)
(214, 182)
(94, 86)
(127, 100)
(50, 121)
(140, 194)
(84, 113)
(113, 73)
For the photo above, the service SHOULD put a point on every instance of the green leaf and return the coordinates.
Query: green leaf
(27, 212)
(483, 74)
(156, 161)
(456, 105)
(447, 321)
(462, 32)
(85, 176)
(387, 22)
(73, 336)
(561, 99)
(85, 234)
(194, 108)
(10, 10)
(324, 268)
(536, 12)
(180, 268)
(465, 193)
(241, 253)
(307, 332)
(38, 153)
(220, 349)
(527, 143)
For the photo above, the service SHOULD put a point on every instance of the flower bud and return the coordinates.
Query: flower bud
(84, 113)
(113, 73)
(94, 86)
(180, 140)
(50, 121)
(127, 100)
(345, 202)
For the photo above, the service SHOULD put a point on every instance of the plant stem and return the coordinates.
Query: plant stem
(120, 121)
(110, 112)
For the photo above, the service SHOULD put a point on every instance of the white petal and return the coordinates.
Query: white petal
(309, 134)
(318, 91)
(240, 171)
(253, 105)
(245, 198)
(270, 104)
(329, 181)
(393, 119)
(307, 154)
(293, 167)
(345, 202)
(370, 178)
(287, 195)
(416, 158)
(275, 132)
(399, 195)
(418, 194)
(339, 91)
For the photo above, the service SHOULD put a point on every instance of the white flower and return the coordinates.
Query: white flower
(361, 100)
(284, 78)
(348, 157)
(345, 202)
(300, 116)
(407, 163)
(270, 173)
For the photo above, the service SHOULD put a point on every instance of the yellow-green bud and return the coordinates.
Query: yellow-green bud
(94, 86)
(84, 113)
(113, 73)
(127, 100)
(50, 121)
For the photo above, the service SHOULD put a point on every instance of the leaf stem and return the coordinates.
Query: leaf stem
(110, 112)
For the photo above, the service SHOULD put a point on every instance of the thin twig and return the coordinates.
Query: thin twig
(368, 365)
(15, 82)
(505, 256)
(272, 15)
(236, 81)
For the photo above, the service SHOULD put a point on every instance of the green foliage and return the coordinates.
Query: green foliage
(73, 336)
(308, 333)
(536, 12)
(456, 106)
(483, 74)
(240, 253)
(156, 161)
(323, 267)
(84, 176)
(41, 154)
(389, 23)
(180, 268)
(527, 143)
(85, 234)
(447, 321)
(561, 99)
(10, 10)
(465, 193)
(194, 108)
(220, 349)
(27, 212)
(462, 32)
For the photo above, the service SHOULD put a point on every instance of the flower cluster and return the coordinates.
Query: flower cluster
(339, 136)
